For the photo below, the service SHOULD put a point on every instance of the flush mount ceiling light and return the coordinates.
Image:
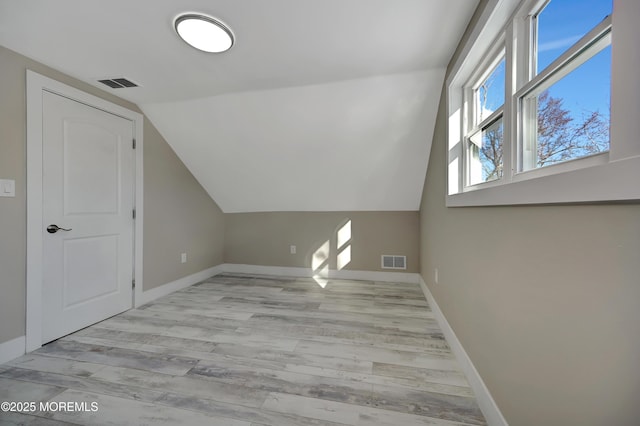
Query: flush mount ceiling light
(204, 32)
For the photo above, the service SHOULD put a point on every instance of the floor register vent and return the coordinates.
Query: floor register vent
(394, 262)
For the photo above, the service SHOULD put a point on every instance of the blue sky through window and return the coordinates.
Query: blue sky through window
(584, 94)
(491, 92)
(587, 88)
(562, 23)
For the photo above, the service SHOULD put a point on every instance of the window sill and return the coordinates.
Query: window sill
(612, 181)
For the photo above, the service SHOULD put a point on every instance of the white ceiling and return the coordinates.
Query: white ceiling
(320, 105)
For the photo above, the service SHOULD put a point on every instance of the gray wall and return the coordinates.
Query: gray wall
(172, 196)
(264, 238)
(179, 217)
(544, 300)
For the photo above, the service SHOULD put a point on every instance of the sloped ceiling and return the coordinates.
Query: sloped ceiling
(320, 105)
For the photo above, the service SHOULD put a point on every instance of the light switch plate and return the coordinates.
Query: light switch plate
(7, 188)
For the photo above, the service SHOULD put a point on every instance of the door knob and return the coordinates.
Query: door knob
(52, 229)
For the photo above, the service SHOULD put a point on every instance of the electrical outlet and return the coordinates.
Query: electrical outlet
(183, 257)
(435, 275)
(292, 249)
(7, 188)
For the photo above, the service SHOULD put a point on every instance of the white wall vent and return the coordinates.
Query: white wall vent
(394, 262)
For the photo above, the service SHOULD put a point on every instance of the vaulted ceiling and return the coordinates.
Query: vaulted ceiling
(319, 105)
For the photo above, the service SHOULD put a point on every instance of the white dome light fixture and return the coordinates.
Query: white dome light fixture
(204, 32)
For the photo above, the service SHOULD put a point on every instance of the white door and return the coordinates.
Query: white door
(88, 181)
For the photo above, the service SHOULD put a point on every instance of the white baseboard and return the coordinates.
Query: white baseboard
(485, 401)
(399, 277)
(12, 349)
(280, 271)
(284, 271)
(184, 282)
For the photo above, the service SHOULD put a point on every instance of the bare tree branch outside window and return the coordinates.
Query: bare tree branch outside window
(561, 136)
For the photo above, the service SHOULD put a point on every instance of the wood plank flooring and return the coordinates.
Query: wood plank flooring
(253, 350)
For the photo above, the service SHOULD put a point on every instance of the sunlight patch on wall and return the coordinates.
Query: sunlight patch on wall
(455, 152)
(320, 264)
(322, 256)
(453, 177)
(344, 245)
(344, 257)
(454, 129)
(344, 234)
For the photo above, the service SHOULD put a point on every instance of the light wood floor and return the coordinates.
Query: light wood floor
(253, 350)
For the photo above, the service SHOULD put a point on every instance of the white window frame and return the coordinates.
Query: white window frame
(610, 176)
(586, 48)
(473, 126)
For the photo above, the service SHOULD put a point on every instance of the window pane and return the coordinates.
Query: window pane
(490, 94)
(563, 22)
(485, 154)
(573, 114)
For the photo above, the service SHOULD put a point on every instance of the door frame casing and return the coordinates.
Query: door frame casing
(36, 84)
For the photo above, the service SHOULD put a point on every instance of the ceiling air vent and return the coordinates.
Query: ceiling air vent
(118, 83)
(394, 262)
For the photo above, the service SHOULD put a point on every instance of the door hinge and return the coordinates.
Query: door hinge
(134, 213)
(133, 283)
(134, 144)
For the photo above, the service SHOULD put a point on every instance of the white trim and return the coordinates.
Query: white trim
(179, 284)
(583, 185)
(389, 277)
(36, 83)
(12, 349)
(489, 408)
(282, 271)
(399, 277)
(138, 245)
(481, 35)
